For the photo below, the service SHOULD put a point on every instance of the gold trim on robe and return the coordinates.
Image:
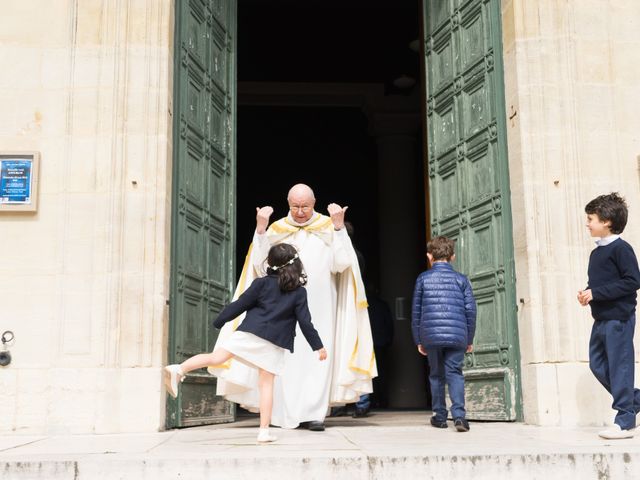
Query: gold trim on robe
(354, 364)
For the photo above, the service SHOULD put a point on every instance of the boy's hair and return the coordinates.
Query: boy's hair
(441, 248)
(283, 260)
(612, 208)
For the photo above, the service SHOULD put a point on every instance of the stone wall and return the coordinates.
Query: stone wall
(83, 281)
(571, 75)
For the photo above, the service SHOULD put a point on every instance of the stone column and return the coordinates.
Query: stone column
(572, 130)
(401, 246)
(85, 284)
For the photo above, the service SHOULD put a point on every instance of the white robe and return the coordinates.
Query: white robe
(337, 304)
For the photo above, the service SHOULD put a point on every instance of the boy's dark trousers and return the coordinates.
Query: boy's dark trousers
(445, 366)
(612, 361)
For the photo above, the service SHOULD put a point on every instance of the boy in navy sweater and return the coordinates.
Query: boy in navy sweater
(613, 281)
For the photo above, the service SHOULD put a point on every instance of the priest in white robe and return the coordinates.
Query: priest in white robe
(307, 387)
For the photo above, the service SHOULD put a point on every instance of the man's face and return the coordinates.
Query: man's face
(597, 227)
(301, 206)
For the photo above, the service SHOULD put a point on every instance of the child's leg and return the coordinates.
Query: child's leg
(436, 380)
(202, 360)
(173, 374)
(265, 387)
(598, 362)
(453, 359)
(620, 354)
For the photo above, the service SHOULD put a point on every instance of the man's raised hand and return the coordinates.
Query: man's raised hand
(262, 219)
(336, 212)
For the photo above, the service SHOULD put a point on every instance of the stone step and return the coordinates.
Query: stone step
(382, 446)
(601, 466)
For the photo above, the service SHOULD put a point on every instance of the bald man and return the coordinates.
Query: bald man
(307, 388)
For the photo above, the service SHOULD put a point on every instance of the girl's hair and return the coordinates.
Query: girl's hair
(283, 260)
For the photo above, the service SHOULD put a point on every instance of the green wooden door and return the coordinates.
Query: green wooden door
(469, 187)
(203, 207)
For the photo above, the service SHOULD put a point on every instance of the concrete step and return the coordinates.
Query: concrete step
(383, 446)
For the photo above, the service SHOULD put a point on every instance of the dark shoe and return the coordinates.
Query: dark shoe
(316, 426)
(360, 413)
(339, 412)
(461, 424)
(438, 422)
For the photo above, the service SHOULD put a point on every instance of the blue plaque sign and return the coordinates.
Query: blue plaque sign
(15, 181)
(18, 181)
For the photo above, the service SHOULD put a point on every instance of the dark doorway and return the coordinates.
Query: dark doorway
(328, 148)
(327, 40)
(328, 138)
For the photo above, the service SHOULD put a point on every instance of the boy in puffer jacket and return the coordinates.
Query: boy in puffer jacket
(443, 322)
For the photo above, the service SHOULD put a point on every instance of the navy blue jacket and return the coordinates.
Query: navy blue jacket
(443, 313)
(613, 279)
(272, 314)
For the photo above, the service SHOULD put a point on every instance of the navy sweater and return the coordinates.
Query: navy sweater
(272, 314)
(613, 279)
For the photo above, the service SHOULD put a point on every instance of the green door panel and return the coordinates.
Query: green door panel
(203, 199)
(469, 187)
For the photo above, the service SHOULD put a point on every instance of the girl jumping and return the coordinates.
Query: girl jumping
(274, 304)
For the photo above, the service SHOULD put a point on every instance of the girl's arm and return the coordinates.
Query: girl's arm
(304, 319)
(244, 302)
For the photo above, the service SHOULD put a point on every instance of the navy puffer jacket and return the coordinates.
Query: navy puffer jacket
(444, 309)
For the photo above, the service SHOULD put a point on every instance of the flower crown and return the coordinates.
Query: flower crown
(290, 262)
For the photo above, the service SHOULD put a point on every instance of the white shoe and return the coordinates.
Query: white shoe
(172, 377)
(616, 433)
(265, 437)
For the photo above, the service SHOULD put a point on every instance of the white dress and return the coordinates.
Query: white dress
(255, 352)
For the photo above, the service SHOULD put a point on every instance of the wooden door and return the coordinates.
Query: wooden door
(203, 208)
(469, 187)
